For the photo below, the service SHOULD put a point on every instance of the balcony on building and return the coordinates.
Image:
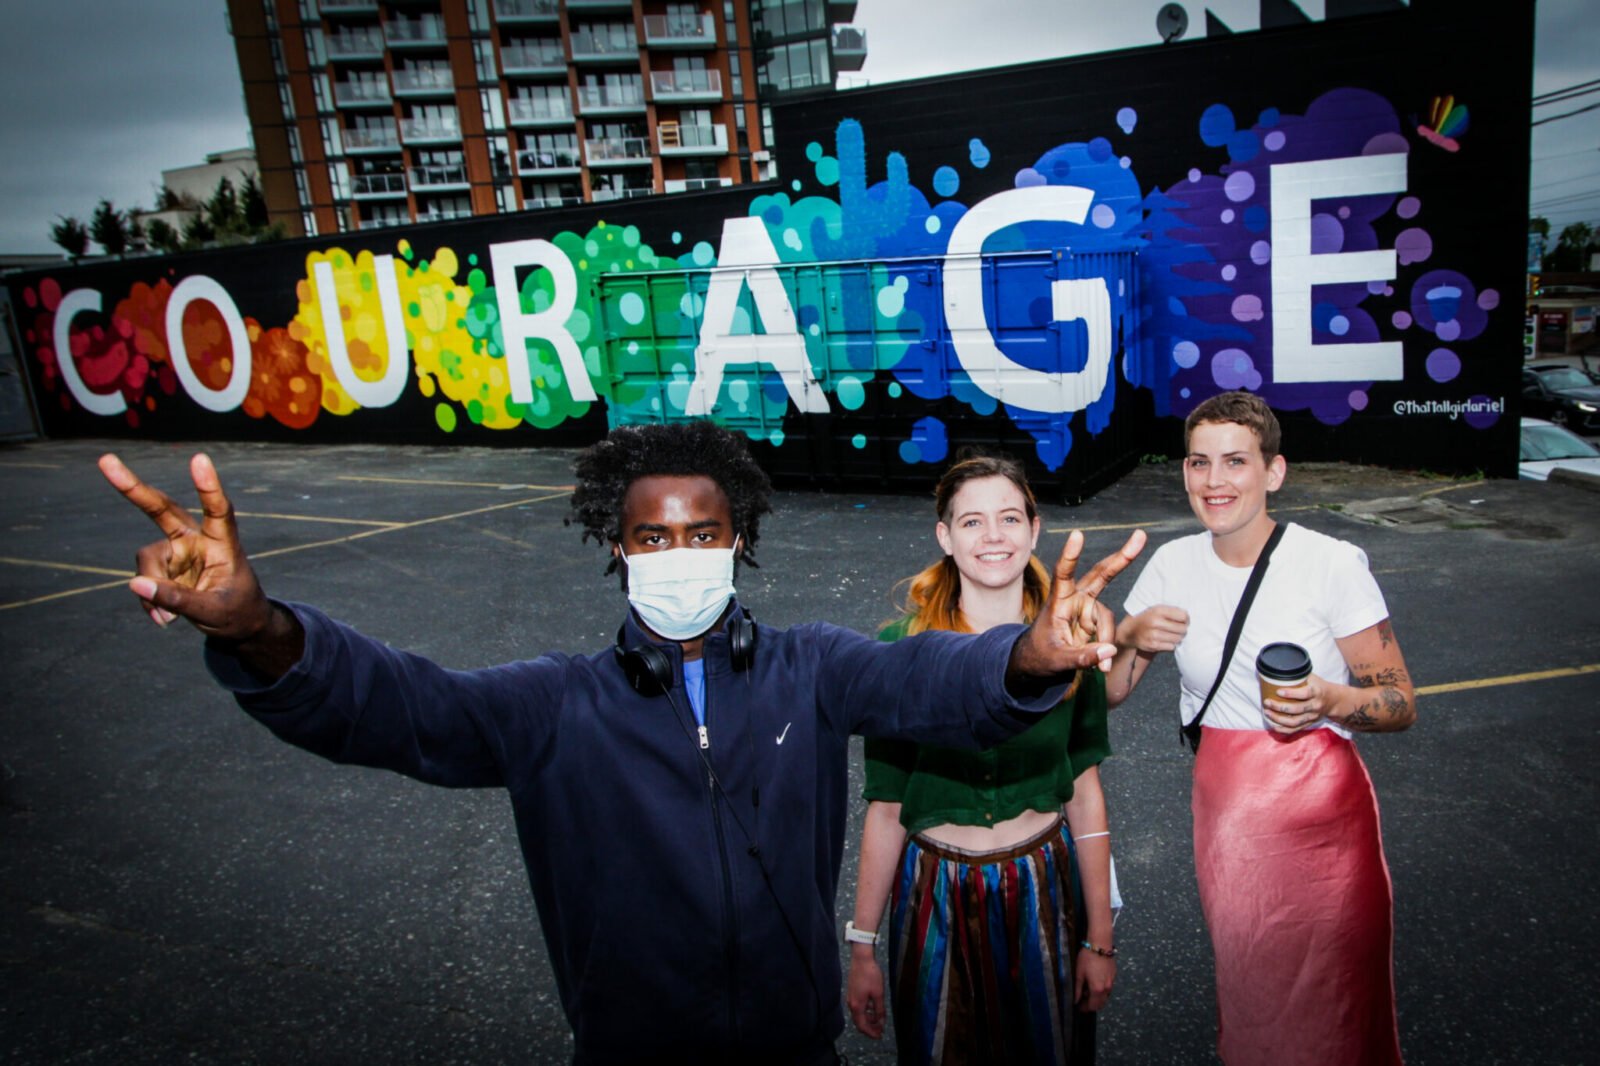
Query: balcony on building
(426, 31)
(685, 86)
(841, 10)
(424, 81)
(385, 221)
(447, 177)
(378, 186)
(533, 203)
(617, 152)
(348, 7)
(367, 93)
(431, 129)
(370, 139)
(513, 12)
(603, 195)
(611, 99)
(599, 5)
(678, 139)
(676, 31)
(434, 213)
(536, 59)
(849, 47)
(589, 47)
(354, 44)
(695, 184)
(538, 111)
(548, 162)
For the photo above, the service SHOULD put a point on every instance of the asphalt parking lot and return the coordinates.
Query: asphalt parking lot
(177, 885)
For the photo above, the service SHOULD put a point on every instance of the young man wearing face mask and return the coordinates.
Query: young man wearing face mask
(680, 798)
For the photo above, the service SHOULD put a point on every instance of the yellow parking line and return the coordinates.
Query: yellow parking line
(1509, 679)
(316, 518)
(1448, 488)
(18, 464)
(462, 484)
(67, 592)
(300, 547)
(64, 566)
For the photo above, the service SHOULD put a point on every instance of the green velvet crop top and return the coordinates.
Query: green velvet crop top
(1034, 770)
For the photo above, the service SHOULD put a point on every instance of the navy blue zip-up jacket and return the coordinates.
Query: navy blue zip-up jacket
(684, 921)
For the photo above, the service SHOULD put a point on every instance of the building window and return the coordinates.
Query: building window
(321, 93)
(801, 65)
(314, 53)
(309, 221)
(484, 50)
(494, 112)
(294, 145)
(478, 15)
(331, 142)
(506, 197)
(286, 99)
(339, 178)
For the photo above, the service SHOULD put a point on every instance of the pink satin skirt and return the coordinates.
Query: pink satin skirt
(1298, 900)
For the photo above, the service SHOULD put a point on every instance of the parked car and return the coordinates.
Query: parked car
(1563, 394)
(1546, 447)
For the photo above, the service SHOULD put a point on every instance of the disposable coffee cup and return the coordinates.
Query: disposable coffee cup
(1281, 665)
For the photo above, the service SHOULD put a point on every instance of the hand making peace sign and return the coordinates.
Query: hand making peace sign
(1075, 630)
(199, 570)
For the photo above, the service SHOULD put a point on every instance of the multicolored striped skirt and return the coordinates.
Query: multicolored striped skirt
(981, 947)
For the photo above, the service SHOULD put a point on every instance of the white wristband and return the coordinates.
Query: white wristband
(858, 936)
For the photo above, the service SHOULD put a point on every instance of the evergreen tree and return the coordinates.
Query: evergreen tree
(109, 228)
(163, 238)
(253, 205)
(71, 235)
(138, 237)
(197, 232)
(222, 210)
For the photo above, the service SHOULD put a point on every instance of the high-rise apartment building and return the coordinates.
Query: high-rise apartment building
(370, 113)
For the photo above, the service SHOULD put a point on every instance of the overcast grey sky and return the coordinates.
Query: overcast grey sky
(105, 94)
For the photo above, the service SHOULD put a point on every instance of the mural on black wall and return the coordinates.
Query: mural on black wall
(1301, 266)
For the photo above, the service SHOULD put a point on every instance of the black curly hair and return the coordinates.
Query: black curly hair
(606, 468)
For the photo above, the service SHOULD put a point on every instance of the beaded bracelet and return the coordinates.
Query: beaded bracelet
(1105, 953)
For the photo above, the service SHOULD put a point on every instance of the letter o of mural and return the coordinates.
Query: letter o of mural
(98, 403)
(200, 287)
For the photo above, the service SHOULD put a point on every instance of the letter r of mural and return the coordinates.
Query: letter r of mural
(549, 324)
(1008, 381)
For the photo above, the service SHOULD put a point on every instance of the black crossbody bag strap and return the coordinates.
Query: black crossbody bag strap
(1190, 734)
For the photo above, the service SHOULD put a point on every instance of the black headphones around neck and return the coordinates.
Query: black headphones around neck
(649, 669)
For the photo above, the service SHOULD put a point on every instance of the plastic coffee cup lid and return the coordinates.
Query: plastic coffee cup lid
(1283, 662)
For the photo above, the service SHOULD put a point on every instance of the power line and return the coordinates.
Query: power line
(1566, 181)
(1571, 91)
(1569, 114)
(1564, 155)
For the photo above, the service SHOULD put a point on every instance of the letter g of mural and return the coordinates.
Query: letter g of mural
(1082, 298)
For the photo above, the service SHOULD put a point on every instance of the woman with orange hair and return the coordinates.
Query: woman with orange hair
(1000, 941)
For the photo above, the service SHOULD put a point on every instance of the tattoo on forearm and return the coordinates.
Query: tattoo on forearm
(1360, 717)
(1362, 680)
(1393, 675)
(1394, 702)
(1386, 632)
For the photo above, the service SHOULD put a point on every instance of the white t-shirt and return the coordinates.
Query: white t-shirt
(1317, 589)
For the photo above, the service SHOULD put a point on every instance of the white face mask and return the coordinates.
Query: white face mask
(680, 593)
